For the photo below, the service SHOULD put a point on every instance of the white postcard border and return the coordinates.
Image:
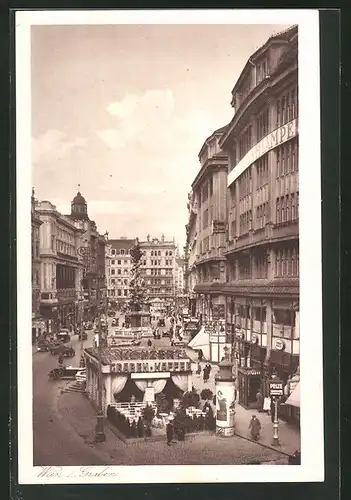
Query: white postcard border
(311, 361)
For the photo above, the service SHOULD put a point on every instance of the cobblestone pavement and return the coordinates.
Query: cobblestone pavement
(75, 425)
(76, 411)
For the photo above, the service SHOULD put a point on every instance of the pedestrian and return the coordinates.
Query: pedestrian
(259, 400)
(206, 374)
(200, 354)
(60, 360)
(198, 370)
(169, 433)
(149, 343)
(255, 427)
(209, 368)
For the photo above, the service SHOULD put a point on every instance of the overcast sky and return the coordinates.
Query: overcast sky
(123, 111)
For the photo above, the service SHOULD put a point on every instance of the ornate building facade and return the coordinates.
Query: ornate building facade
(118, 269)
(38, 325)
(256, 273)
(60, 267)
(158, 267)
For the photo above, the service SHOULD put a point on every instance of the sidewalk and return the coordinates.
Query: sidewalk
(77, 412)
(289, 435)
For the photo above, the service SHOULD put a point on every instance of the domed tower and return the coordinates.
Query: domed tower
(79, 207)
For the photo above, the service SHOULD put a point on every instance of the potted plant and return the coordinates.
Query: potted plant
(190, 398)
(206, 394)
(148, 415)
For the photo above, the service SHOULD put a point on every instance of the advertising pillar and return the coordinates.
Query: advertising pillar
(225, 399)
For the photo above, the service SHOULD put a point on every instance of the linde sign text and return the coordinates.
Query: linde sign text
(151, 366)
(275, 138)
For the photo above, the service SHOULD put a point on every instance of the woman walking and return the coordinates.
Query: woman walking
(198, 370)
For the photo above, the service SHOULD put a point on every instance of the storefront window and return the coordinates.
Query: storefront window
(283, 323)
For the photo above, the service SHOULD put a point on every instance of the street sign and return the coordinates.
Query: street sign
(276, 387)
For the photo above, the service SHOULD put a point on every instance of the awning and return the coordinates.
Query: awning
(294, 398)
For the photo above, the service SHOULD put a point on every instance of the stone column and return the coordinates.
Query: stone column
(225, 399)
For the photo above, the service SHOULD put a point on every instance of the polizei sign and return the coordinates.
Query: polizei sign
(272, 140)
(276, 388)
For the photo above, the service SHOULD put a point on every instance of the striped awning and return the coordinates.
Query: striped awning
(294, 398)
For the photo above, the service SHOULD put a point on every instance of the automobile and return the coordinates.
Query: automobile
(43, 345)
(63, 336)
(88, 325)
(65, 350)
(167, 333)
(81, 376)
(64, 372)
(83, 335)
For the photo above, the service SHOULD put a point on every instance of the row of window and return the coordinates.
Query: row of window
(286, 110)
(119, 281)
(287, 158)
(120, 262)
(120, 293)
(287, 208)
(65, 248)
(287, 107)
(245, 142)
(262, 176)
(262, 215)
(119, 251)
(155, 253)
(262, 125)
(245, 222)
(287, 262)
(159, 282)
(64, 235)
(119, 271)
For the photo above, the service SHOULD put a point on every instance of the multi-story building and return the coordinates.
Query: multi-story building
(190, 275)
(179, 274)
(158, 267)
(59, 266)
(250, 270)
(91, 255)
(210, 192)
(118, 269)
(263, 213)
(37, 324)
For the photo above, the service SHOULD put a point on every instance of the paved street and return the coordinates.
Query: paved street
(64, 429)
(54, 441)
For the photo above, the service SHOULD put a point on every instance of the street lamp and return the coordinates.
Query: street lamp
(85, 252)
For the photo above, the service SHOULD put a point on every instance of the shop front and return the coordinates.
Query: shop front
(148, 371)
(249, 383)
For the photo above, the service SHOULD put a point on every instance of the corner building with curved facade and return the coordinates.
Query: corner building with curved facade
(260, 291)
(262, 286)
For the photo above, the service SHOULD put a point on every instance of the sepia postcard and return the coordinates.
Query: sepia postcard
(168, 236)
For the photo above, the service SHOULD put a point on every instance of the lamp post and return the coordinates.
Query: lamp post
(85, 253)
(276, 389)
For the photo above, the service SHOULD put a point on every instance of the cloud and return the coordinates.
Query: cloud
(54, 144)
(111, 137)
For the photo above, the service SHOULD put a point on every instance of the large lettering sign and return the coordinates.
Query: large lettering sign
(150, 366)
(272, 140)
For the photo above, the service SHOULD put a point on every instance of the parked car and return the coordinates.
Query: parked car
(64, 372)
(88, 325)
(83, 335)
(65, 350)
(63, 336)
(43, 345)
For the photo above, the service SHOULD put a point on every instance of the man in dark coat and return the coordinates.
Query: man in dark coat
(169, 432)
(255, 427)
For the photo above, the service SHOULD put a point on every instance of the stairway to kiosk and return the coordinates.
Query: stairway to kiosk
(75, 386)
